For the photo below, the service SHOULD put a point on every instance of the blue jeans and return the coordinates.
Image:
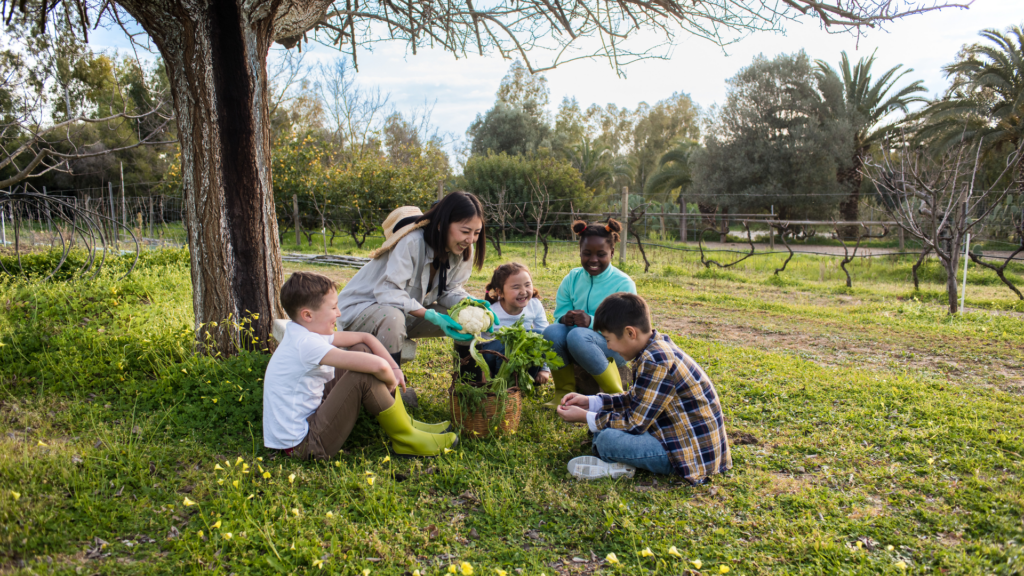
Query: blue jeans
(583, 346)
(639, 450)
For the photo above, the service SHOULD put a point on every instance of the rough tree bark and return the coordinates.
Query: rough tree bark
(215, 52)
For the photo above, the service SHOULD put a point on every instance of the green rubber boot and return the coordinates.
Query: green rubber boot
(609, 380)
(439, 428)
(406, 440)
(565, 382)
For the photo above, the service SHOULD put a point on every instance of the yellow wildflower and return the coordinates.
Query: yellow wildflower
(234, 483)
(673, 551)
(217, 467)
(227, 535)
(239, 461)
(723, 569)
(183, 371)
(500, 572)
(259, 458)
(386, 459)
(293, 546)
(228, 464)
(696, 563)
(859, 544)
(216, 524)
(416, 573)
(467, 569)
(931, 460)
(318, 564)
(41, 443)
(337, 464)
(291, 478)
(200, 533)
(266, 475)
(250, 497)
(612, 558)
(366, 572)
(646, 552)
(901, 565)
(187, 502)
(448, 450)
(452, 569)
(214, 400)
(330, 514)
(370, 481)
(889, 548)
(295, 511)
(15, 495)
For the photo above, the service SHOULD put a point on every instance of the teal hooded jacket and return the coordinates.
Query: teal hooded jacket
(580, 290)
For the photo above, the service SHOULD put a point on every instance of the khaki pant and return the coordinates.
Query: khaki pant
(333, 421)
(392, 326)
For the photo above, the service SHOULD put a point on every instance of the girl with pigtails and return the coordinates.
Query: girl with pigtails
(579, 295)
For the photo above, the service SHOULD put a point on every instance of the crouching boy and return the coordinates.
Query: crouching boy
(670, 419)
(313, 388)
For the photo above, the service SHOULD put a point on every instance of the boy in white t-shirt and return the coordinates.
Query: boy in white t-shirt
(308, 409)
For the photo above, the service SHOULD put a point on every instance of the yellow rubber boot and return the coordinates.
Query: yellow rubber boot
(406, 440)
(565, 382)
(609, 380)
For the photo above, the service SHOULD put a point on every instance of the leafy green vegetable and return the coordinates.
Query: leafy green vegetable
(524, 349)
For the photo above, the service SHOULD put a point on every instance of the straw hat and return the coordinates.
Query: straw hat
(391, 237)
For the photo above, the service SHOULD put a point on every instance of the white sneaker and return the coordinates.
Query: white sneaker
(592, 468)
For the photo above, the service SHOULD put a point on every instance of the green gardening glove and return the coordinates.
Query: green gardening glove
(494, 317)
(450, 327)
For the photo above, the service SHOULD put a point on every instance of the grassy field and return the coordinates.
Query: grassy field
(871, 433)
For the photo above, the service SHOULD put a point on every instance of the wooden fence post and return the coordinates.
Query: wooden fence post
(113, 214)
(625, 225)
(150, 203)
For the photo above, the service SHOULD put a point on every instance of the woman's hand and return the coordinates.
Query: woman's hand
(543, 377)
(450, 327)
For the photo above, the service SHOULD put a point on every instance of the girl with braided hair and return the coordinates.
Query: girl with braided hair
(578, 297)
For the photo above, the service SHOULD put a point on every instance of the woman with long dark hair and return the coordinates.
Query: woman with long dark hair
(405, 291)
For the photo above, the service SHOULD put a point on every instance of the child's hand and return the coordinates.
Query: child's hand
(577, 400)
(543, 377)
(581, 319)
(572, 413)
(399, 376)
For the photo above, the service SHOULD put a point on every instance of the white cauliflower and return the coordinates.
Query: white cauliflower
(474, 320)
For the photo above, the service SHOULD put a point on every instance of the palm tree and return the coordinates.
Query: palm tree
(867, 104)
(985, 103)
(674, 172)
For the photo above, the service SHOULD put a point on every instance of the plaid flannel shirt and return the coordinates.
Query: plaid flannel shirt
(673, 399)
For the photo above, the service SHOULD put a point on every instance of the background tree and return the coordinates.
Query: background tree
(778, 140)
(867, 104)
(674, 173)
(985, 103)
(216, 55)
(938, 198)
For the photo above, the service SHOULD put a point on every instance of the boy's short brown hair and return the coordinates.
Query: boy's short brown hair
(305, 290)
(620, 310)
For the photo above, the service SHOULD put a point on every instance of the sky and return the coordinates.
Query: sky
(460, 89)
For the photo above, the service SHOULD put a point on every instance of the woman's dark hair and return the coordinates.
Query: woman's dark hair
(501, 274)
(455, 207)
(609, 231)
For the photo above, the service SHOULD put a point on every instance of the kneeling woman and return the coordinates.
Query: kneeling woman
(413, 279)
(579, 295)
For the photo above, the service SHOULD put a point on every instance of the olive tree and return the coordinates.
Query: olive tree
(216, 57)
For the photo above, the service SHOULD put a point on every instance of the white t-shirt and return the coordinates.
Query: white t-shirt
(533, 315)
(293, 387)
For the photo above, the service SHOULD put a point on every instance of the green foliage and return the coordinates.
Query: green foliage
(350, 195)
(778, 140)
(524, 349)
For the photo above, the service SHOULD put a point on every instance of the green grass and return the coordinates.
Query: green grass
(866, 415)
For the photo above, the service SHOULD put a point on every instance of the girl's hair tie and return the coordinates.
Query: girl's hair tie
(607, 228)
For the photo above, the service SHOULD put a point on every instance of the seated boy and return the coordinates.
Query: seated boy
(670, 419)
(308, 409)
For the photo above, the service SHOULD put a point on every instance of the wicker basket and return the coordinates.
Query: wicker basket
(478, 424)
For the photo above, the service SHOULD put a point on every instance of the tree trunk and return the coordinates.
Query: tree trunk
(682, 218)
(951, 289)
(850, 179)
(215, 53)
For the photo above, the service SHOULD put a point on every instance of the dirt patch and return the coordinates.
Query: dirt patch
(781, 483)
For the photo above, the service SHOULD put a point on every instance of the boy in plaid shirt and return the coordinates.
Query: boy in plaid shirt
(668, 422)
